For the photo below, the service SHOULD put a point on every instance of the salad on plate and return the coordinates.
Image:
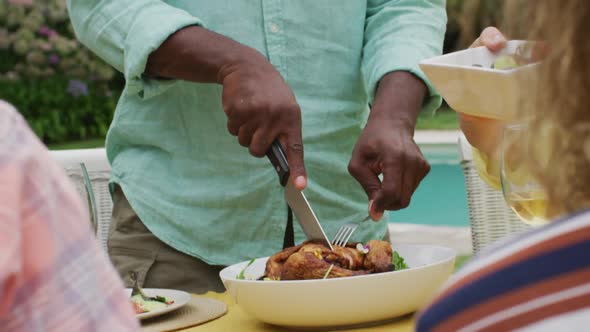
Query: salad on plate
(143, 303)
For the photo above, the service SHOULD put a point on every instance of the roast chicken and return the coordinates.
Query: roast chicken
(315, 260)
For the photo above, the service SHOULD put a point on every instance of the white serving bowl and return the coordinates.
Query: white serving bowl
(479, 91)
(342, 301)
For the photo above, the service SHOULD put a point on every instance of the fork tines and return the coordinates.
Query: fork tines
(344, 234)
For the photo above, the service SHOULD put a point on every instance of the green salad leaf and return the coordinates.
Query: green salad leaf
(160, 299)
(398, 262)
(241, 275)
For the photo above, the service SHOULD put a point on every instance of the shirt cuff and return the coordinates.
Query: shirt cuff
(401, 61)
(152, 31)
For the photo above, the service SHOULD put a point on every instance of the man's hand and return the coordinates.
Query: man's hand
(259, 105)
(386, 145)
(482, 133)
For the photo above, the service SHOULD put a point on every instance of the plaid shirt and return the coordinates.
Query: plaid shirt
(53, 274)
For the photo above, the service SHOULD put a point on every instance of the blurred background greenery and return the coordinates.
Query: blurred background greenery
(68, 95)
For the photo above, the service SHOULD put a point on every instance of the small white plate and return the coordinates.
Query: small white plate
(180, 298)
(480, 91)
(347, 301)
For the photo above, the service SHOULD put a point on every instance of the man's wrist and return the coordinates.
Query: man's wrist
(399, 99)
(197, 54)
(238, 56)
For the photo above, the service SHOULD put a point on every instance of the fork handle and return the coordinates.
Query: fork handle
(277, 158)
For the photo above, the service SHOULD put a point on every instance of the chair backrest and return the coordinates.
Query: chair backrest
(99, 171)
(490, 217)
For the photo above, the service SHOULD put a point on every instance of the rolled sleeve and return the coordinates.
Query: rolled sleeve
(398, 35)
(125, 32)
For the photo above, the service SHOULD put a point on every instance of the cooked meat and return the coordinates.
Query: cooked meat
(276, 261)
(313, 259)
(346, 257)
(378, 259)
(306, 265)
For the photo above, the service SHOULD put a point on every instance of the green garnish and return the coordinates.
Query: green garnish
(328, 272)
(241, 275)
(398, 262)
(160, 299)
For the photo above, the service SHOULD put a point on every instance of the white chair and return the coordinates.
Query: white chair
(97, 165)
(490, 217)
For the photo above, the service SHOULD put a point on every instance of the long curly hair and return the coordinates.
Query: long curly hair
(557, 107)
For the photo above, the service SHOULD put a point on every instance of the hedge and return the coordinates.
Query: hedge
(61, 88)
(54, 114)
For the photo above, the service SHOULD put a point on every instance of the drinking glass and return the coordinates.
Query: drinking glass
(521, 190)
(78, 174)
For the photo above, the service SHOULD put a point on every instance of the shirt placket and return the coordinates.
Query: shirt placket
(272, 11)
(274, 33)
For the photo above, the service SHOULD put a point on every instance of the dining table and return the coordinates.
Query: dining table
(236, 319)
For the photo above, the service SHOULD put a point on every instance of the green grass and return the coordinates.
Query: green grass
(460, 260)
(443, 119)
(87, 144)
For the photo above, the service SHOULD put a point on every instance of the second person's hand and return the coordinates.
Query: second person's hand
(483, 133)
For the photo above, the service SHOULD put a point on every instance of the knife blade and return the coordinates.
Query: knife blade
(304, 213)
(295, 198)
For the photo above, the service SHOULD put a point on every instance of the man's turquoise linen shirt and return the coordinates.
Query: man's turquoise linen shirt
(186, 177)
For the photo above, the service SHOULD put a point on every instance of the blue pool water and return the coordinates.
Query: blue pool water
(440, 199)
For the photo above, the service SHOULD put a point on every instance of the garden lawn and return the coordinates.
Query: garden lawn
(460, 260)
(85, 144)
(443, 119)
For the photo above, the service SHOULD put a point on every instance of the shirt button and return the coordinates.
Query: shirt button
(274, 28)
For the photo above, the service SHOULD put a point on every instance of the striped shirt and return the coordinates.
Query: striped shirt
(539, 281)
(53, 274)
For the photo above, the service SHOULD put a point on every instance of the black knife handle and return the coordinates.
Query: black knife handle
(277, 158)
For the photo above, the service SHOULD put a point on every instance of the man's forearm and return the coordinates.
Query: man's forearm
(399, 99)
(198, 55)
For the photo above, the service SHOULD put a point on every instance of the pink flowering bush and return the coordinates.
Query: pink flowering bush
(64, 91)
(40, 37)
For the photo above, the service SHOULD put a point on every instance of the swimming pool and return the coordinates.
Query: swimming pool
(441, 197)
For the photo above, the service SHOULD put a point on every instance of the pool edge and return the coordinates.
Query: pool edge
(457, 238)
